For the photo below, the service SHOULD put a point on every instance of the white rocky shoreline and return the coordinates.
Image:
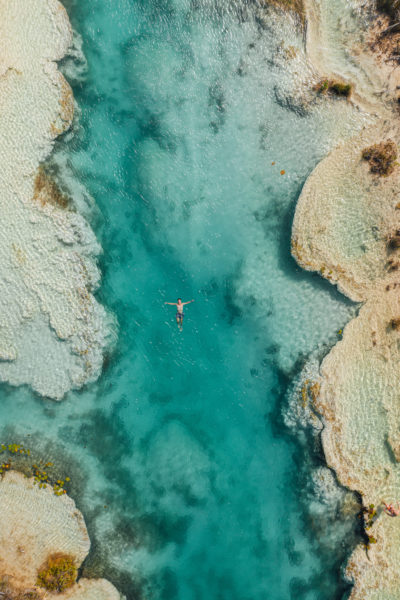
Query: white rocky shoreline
(35, 524)
(344, 221)
(53, 332)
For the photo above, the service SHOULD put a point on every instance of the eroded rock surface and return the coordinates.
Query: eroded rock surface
(52, 330)
(35, 524)
(345, 220)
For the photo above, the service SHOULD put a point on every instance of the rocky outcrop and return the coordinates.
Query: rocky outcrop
(35, 523)
(52, 330)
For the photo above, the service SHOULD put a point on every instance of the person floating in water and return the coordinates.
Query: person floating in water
(179, 310)
(391, 510)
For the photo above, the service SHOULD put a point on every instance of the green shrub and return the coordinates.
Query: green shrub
(322, 86)
(58, 573)
(381, 157)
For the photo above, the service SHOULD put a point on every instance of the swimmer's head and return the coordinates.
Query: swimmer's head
(179, 300)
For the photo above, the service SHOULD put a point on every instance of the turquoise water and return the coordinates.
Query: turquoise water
(191, 486)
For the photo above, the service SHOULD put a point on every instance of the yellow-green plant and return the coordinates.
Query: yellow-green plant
(14, 449)
(41, 476)
(58, 573)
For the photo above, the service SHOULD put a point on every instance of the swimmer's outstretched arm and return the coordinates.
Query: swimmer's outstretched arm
(171, 303)
(188, 302)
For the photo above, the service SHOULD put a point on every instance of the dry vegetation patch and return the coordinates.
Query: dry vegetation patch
(46, 191)
(8, 592)
(336, 88)
(389, 7)
(393, 240)
(395, 324)
(381, 157)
